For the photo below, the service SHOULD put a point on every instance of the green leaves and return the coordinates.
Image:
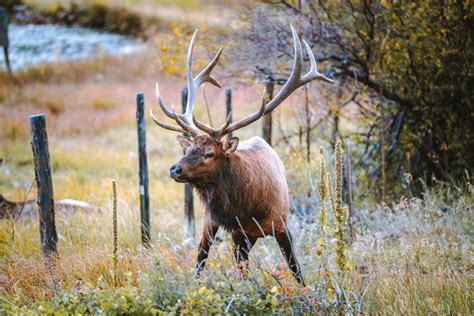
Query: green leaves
(418, 56)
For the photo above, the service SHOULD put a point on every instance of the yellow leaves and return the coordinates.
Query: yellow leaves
(202, 290)
(445, 147)
(410, 148)
(172, 48)
(320, 241)
(274, 301)
(330, 230)
(333, 108)
(203, 298)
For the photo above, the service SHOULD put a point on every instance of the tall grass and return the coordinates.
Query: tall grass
(408, 258)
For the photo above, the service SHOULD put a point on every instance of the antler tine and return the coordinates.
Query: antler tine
(205, 128)
(224, 126)
(189, 127)
(165, 125)
(203, 76)
(214, 132)
(189, 61)
(168, 113)
(293, 81)
(182, 128)
(163, 107)
(313, 73)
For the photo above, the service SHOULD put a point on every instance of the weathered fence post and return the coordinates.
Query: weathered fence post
(267, 119)
(39, 145)
(188, 191)
(349, 188)
(143, 172)
(228, 106)
(4, 36)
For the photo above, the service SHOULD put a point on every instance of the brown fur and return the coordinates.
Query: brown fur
(243, 190)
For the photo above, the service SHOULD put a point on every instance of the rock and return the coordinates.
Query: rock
(29, 209)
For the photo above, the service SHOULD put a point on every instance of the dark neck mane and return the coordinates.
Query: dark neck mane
(223, 197)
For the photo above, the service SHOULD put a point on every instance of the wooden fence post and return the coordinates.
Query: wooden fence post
(4, 36)
(267, 119)
(143, 172)
(349, 188)
(7, 60)
(188, 191)
(45, 200)
(228, 106)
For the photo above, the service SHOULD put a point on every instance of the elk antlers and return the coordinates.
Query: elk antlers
(185, 120)
(189, 124)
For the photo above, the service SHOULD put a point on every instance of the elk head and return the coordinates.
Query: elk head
(204, 153)
(202, 159)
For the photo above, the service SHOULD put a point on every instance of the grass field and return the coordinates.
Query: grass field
(408, 256)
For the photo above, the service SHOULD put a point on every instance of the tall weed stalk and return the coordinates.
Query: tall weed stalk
(115, 233)
(339, 214)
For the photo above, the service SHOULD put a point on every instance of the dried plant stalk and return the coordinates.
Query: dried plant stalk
(339, 213)
(323, 194)
(115, 234)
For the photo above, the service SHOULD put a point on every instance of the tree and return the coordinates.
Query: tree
(413, 59)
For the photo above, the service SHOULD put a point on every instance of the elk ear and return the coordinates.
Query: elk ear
(230, 145)
(184, 141)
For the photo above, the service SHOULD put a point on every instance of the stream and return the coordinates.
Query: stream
(35, 44)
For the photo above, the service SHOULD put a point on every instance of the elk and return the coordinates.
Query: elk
(241, 184)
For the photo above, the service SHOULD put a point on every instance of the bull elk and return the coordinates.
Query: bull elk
(241, 184)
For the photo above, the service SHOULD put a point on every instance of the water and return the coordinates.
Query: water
(34, 44)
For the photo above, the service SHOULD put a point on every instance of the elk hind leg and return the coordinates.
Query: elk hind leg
(285, 241)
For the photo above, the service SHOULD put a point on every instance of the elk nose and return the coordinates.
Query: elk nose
(175, 170)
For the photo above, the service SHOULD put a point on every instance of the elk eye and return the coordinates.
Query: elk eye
(209, 155)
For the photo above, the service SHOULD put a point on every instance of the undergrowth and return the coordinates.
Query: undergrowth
(411, 257)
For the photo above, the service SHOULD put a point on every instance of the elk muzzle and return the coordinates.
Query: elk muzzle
(176, 173)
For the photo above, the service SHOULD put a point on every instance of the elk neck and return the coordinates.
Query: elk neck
(225, 195)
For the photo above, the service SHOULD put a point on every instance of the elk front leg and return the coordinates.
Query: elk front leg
(209, 231)
(285, 241)
(242, 246)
